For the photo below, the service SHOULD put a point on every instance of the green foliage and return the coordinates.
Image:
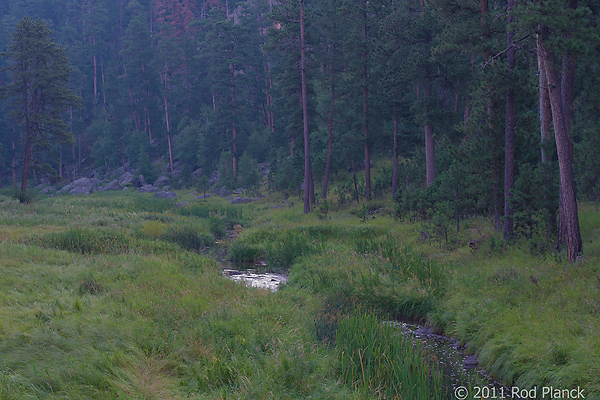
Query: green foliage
(375, 358)
(248, 174)
(228, 214)
(86, 241)
(189, 237)
(39, 72)
(226, 177)
(534, 202)
(144, 164)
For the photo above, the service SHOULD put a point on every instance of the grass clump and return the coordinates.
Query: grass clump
(189, 237)
(376, 358)
(86, 241)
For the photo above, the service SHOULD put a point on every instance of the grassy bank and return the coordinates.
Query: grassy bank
(118, 296)
(532, 319)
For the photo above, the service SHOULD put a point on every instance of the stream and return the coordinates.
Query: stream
(457, 368)
(254, 274)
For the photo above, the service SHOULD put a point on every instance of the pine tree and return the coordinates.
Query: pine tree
(40, 71)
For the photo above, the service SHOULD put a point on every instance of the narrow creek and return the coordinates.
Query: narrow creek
(458, 369)
(254, 274)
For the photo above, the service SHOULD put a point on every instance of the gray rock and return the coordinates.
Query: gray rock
(48, 189)
(85, 182)
(127, 178)
(182, 204)
(162, 181)
(204, 196)
(112, 185)
(241, 200)
(214, 177)
(165, 195)
(65, 189)
(81, 190)
(426, 330)
(470, 362)
(142, 180)
(148, 189)
(224, 192)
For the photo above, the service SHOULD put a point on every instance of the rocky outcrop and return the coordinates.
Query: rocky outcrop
(165, 195)
(162, 181)
(149, 189)
(241, 200)
(80, 186)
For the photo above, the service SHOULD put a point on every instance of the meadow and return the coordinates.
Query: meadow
(121, 296)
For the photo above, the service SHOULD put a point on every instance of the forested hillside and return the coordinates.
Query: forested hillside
(460, 107)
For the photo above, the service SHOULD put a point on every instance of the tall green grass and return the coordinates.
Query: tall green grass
(377, 359)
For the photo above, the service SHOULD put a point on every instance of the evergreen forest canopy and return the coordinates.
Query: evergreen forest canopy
(465, 107)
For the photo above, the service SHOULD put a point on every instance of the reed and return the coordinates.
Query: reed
(377, 359)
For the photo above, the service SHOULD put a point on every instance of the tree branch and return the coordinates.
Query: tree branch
(495, 56)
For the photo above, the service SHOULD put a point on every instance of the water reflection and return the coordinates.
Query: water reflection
(458, 369)
(255, 275)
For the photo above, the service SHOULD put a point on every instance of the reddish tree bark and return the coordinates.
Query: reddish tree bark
(568, 209)
(308, 186)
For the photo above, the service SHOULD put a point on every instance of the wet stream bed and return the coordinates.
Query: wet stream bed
(254, 274)
(458, 369)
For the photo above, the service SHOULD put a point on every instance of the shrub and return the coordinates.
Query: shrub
(189, 237)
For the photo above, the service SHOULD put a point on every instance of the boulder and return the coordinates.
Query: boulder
(85, 182)
(64, 189)
(224, 192)
(142, 180)
(127, 178)
(148, 189)
(162, 181)
(197, 173)
(214, 177)
(48, 189)
(470, 362)
(165, 195)
(112, 185)
(182, 204)
(241, 200)
(81, 190)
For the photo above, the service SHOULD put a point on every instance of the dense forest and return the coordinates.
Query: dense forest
(460, 108)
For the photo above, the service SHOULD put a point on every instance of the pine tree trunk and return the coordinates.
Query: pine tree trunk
(330, 133)
(233, 123)
(429, 145)
(395, 156)
(496, 163)
(568, 97)
(570, 217)
(365, 109)
(167, 113)
(26, 161)
(509, 133)
(307, 169)
(545, 124)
